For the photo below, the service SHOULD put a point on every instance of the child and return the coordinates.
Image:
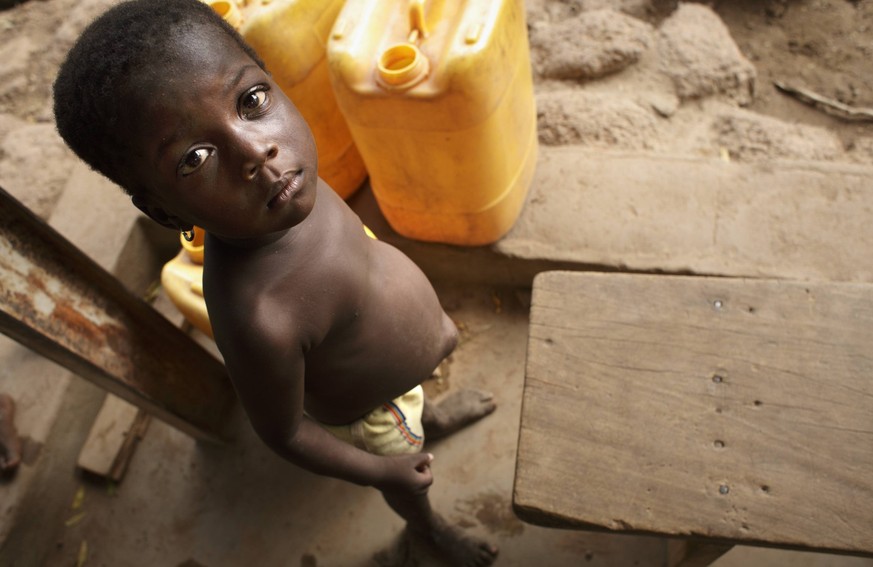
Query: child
(326, 333)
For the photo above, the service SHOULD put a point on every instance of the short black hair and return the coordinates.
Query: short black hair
(125, 41)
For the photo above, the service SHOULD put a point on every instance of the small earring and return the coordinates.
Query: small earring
(188, 234)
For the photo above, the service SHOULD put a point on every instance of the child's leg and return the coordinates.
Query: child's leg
(457, 547)
(10, 445)
(455, 412)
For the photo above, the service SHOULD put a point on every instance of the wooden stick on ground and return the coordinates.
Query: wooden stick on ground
(113, 438)
(827, 105)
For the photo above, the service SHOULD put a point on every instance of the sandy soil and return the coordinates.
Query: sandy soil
(699, 79)
(824, 46)
(34, 37)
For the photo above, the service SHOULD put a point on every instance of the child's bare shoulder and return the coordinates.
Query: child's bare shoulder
(261, 303)
(281, 290)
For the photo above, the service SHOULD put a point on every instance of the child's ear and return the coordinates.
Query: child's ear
(159, 215)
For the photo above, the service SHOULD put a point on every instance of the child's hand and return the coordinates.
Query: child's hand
(407, 473)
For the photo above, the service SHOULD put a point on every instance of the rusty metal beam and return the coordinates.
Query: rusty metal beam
(58, 302)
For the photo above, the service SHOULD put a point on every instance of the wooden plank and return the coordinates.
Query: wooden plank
(106, 436)
(735, 410)
(132, 437)
(113, 438)
(61, 304)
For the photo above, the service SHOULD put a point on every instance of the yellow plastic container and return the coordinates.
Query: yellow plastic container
(291, 37)
(439, 98)
(182, 279)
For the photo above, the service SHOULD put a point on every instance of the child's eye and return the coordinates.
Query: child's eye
(193, 160)
(253, 101)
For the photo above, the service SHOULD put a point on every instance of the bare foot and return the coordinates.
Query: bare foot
(458, 548)
(459, 409)
(10, 445)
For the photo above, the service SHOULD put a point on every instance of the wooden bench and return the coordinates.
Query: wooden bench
(716, 411)
(60, 303)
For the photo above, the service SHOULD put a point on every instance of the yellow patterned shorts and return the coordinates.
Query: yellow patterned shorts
(394, 428)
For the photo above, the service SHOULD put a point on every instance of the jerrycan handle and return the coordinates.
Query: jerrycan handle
(417, 25)
(228, 10)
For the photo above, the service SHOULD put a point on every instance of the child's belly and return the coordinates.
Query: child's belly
(395, 340)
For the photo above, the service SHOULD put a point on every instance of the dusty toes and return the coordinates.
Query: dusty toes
(10, 446)
(10, 458)
(471, 404)
(9, 462)
(460, 548)
(485, 555)
(456, 411)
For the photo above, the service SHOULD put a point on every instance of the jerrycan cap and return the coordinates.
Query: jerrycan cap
(194, 249)
(402, 66)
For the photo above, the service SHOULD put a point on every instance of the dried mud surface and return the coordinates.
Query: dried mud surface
(698, 78)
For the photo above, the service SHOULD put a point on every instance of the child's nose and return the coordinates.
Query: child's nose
(258, 159)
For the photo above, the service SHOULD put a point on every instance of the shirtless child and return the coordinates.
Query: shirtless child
(320, 326)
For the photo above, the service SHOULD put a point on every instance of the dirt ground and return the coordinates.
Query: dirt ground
(823, 46)
(644, 75)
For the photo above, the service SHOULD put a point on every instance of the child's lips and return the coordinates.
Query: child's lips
(285, 188)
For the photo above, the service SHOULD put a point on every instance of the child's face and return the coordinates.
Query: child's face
(220, 145)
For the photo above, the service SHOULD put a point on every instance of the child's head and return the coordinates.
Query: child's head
(128, 40)
(168, 101)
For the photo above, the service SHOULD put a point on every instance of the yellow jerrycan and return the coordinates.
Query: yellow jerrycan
(182, 279)
(439, 98)
(291, 38)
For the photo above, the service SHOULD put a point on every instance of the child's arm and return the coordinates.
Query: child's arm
(317, 450)
(269, 379)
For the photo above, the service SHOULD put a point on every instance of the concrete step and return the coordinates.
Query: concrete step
(645, 212)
